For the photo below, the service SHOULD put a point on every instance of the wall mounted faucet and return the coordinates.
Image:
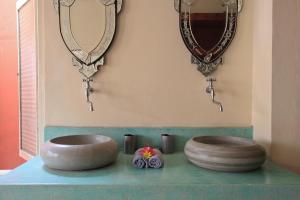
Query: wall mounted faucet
(211, 91)
(88, 91)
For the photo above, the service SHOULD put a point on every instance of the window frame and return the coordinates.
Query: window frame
(19, 5)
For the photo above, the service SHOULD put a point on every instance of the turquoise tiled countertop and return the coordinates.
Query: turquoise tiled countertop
(178, 180)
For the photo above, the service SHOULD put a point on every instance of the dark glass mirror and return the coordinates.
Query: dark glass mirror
(207, 28)
(207, 23)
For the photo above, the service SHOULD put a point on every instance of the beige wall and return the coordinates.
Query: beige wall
(286, 84)
(262, 71)
(147, 79)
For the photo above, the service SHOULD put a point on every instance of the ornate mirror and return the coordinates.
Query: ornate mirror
(207, 28)
(87, 28)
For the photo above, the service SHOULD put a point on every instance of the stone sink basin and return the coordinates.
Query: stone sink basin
(79, 152)
(225, 153)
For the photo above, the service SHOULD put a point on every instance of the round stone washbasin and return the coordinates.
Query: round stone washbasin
(79, 152)
(225, 153)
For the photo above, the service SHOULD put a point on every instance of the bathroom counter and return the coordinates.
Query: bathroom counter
(179, 179)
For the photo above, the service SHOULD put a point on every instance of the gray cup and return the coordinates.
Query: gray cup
(129, 143)
(167, 143)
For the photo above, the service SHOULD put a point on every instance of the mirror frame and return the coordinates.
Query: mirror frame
(208, 61)
(88, 63)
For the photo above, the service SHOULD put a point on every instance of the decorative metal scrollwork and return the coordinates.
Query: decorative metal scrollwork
(206, 68)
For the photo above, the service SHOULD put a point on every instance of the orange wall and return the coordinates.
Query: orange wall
(8, 87)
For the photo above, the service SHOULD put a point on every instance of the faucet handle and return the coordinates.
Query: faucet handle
(87, 80)
(211, 79)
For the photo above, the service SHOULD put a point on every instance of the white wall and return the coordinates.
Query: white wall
(148, 79)
(262, 72)
(286, 84)
(276, 79)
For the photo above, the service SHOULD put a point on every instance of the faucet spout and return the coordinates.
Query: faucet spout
(211, 91)
(219, 104)
(88, 91)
